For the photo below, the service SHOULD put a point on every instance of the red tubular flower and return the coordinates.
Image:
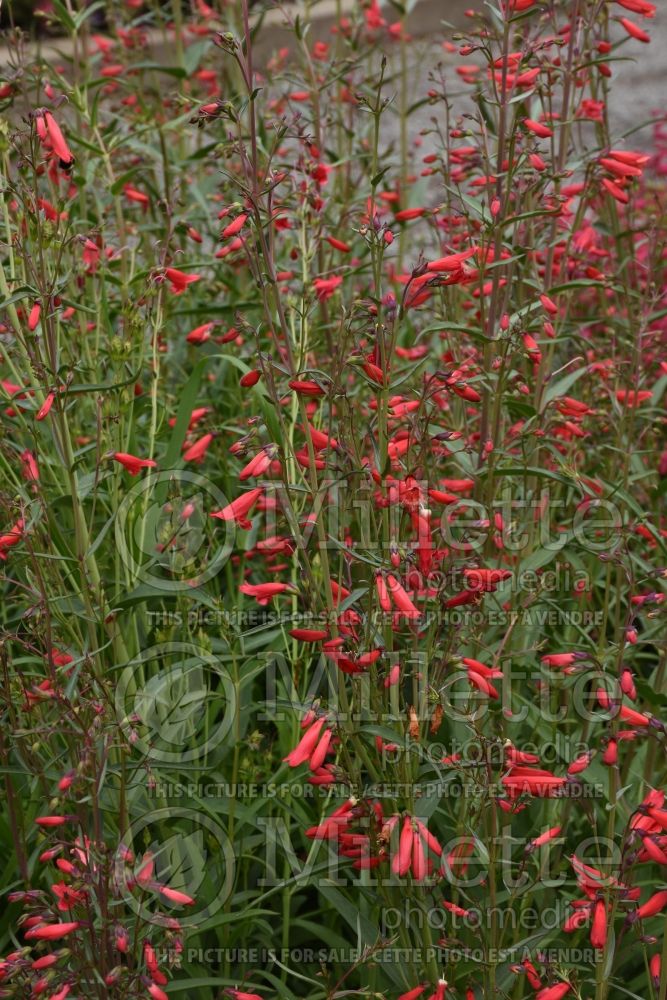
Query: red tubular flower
(406, 214)
(556, 992)
(175, 896)
(383, 593)
(338, 244)
(239, 995)
(599, 926)
(403, 858)
(401, 599)
(52, 820)
(580, 763)
(45, 408)
(482, 684)
(239, 509)
(549, 305)
(51, 932)
(200, 334)
(178, 280)
(412, 994)
(638, 7)
(325, 287)
(259, 464)
(62, 993)
(656, 903)
(132, 464)
(156, 992)
(634, 30)
(11, 538)
(655, 966)
(538, 129)
(132, 194)
(33, 318)
(625, 713)
(532, 781)
(312, 747)
(630, 398)
(309, 634)
(196, 452)
(234, 227)
(250, 378)
(264, 592)
(57, 142)
(615, 191)
(304, 387)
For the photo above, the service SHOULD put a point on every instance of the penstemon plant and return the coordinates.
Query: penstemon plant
(332, 525)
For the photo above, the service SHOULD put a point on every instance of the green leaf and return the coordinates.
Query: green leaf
(64, 16)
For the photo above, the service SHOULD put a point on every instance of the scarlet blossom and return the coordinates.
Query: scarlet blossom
(239, 509)
(532, 781)
(11, 538)
(413, 994)
(630, 398)
(580, 763)
(559, 660)
(156, 992)
(306, 387)
(62, 993)
(51, 932)
(643, 7)
(52, 820)
(309, 634)
(240, 995)
(407, 214)
(132, 464)
(45, 962)
(652, 906)
(178, 280)
(400, 598)
(197, 451)
(263, 592)
(599, 926)
(133, 194)
(313, 745)
(538, 129)
(338, 244)
(200, 334)
(250, 378)
(655, 967)
(634, 30)
(55, 139)
(175, 896)
(325, 287)
(556, 992)
(544, 838)
(33, 318)
(91, 256)
(259, 464)
(415, 843)
(45, 408)
(234, 227)
(626, 714)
